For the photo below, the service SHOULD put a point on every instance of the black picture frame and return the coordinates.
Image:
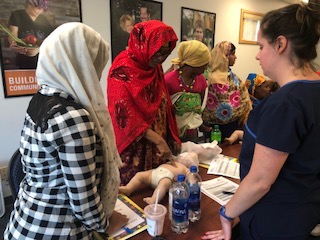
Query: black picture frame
(129, 9)
(191, 19)
(21, 81)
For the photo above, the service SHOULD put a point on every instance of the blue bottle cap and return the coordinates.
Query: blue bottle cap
(193, 169)
(181, 178)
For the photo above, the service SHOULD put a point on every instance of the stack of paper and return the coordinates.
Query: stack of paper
(219, 189)
(223, 165)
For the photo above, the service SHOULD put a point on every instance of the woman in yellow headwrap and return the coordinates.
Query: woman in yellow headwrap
(187, 87)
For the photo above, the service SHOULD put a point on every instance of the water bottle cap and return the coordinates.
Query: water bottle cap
(193, 169)
(216, 126)
(181, 178)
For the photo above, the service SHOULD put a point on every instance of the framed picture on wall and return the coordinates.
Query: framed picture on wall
(198, 25)
(126, 13)
(249, 26)
(21, 37)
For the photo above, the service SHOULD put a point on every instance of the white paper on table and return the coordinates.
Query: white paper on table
(206, 163)
(134, 218)
(225, 166)
(214, 189)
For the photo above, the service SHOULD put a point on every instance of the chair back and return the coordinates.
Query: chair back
(15, 173)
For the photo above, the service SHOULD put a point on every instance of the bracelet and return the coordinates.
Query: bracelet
(223, 213)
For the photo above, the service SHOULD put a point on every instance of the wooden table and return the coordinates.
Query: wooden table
(209, 220)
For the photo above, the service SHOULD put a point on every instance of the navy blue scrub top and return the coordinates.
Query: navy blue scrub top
(288, 121)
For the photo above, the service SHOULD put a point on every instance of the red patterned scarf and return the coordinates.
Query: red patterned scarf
(134, 88)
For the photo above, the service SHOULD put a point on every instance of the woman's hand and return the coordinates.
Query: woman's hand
(225, 233)
(29, 51)
(165, 152)
(116, 222)
(204, 128)
(218, 234)
(161, 144)
(17, 48)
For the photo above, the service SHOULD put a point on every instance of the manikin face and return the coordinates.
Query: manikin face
(144, 15)
(198, 34)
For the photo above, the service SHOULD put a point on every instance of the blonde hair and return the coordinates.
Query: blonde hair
(123, 19)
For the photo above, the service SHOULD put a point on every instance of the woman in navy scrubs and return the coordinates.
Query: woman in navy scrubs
(279, 193)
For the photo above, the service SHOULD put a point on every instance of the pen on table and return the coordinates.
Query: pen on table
(128, 230)
(227, 192)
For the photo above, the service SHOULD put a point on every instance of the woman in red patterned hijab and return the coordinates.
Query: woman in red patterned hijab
(139, 102)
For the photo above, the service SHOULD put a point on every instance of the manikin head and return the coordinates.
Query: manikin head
(188, 159)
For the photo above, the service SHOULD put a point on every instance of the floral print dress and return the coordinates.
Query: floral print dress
(227, 103)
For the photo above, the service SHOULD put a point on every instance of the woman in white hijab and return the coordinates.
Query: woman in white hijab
(67, 144)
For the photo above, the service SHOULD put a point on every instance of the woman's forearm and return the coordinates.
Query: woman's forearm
(266, 166)
(246, 196)
(161, 144)
(153, 136)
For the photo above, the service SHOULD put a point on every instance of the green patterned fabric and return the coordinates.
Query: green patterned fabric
(188, 102)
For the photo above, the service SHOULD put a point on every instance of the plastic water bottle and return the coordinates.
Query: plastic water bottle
(170, 201)
(194, 182)
(216, 134)
(180, 196)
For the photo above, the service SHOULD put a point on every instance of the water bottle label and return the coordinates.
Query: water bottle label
(180, 210)
(194, 198)
(194, 188)
(216, 137)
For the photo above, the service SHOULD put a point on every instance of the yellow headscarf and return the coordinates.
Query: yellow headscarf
(219, 64)
(193, 53)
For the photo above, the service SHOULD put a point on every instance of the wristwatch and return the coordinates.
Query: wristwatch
(223, 213)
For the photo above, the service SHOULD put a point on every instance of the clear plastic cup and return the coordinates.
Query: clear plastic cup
(155, 218)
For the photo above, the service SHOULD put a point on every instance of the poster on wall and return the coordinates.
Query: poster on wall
(126, 13)
(23, 27)
(198, 25)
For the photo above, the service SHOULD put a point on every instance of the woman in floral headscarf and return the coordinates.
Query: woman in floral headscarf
(228, 103)
(139, 102)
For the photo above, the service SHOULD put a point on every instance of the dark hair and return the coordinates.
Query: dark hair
(38, 3)
(300, 24)
(143, 5)
(232, 48)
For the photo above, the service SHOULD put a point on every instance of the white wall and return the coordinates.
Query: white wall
(96, 13)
